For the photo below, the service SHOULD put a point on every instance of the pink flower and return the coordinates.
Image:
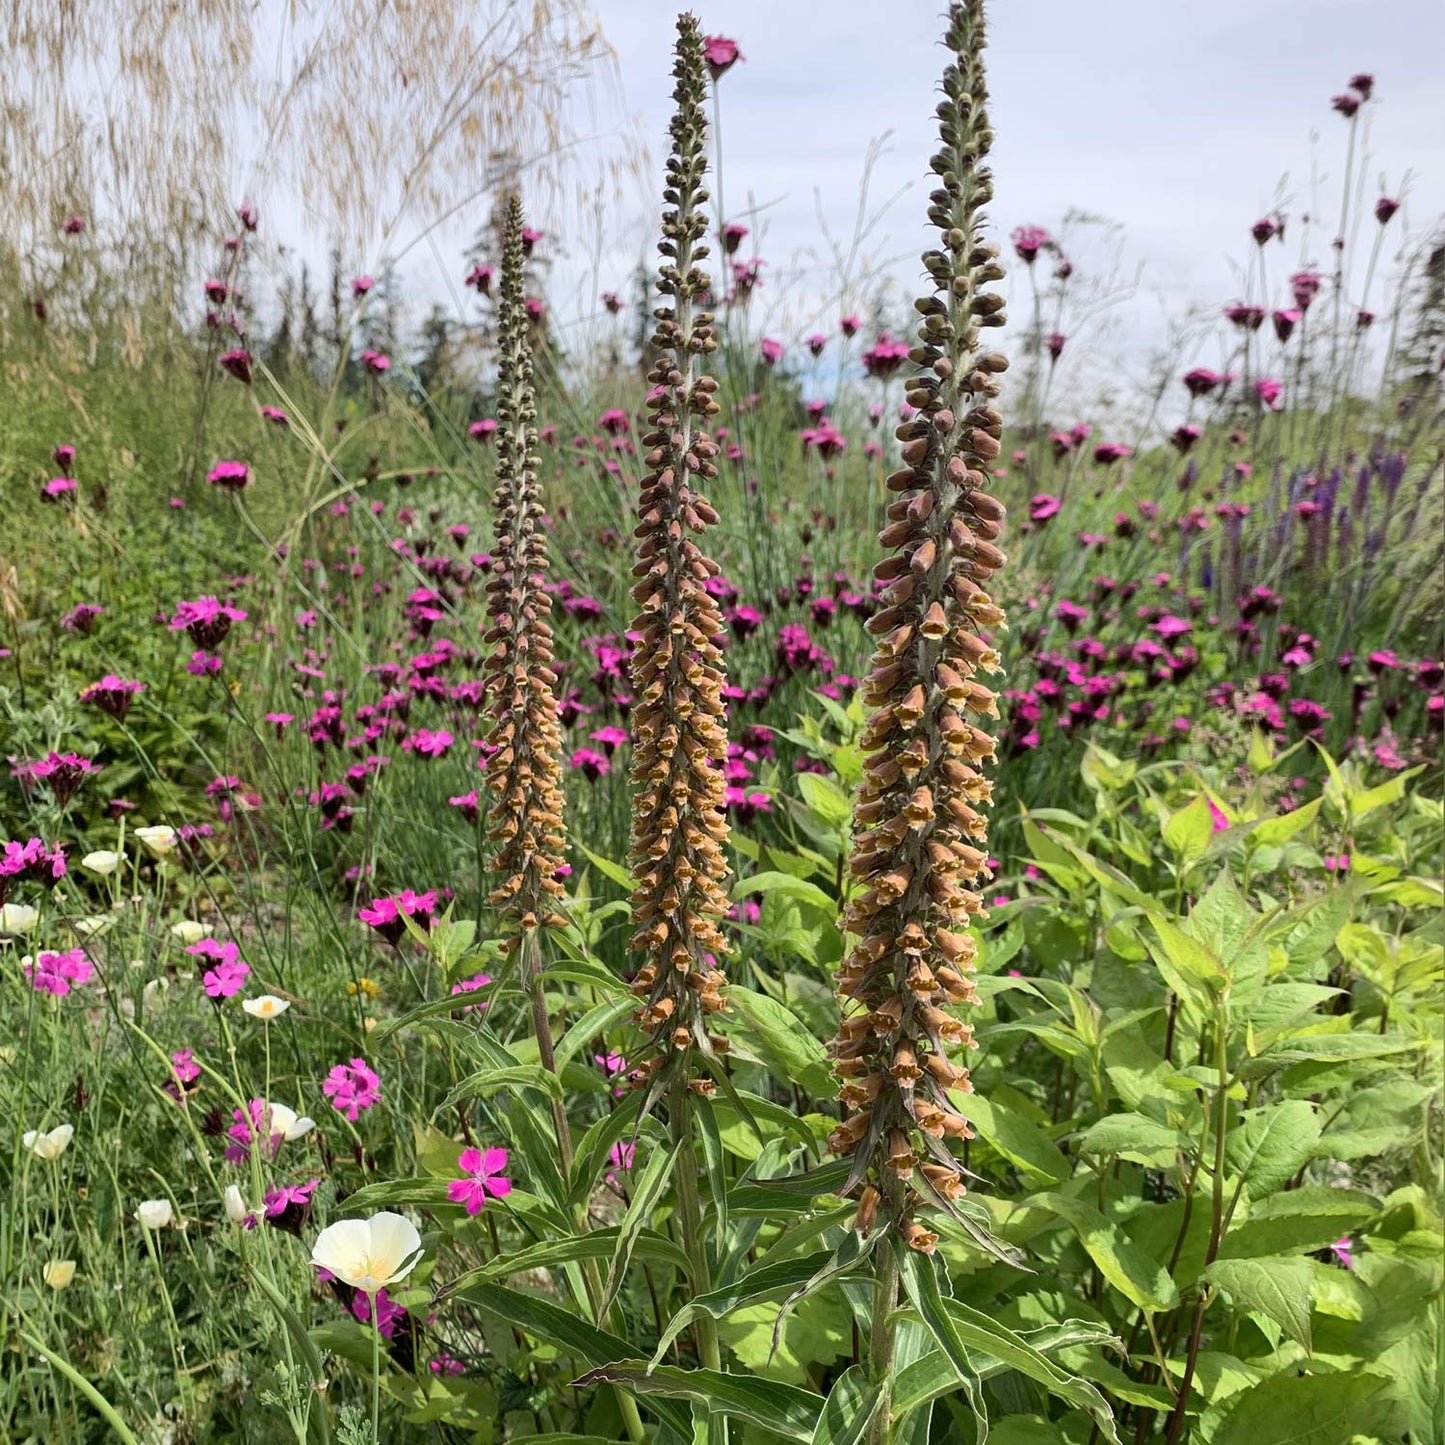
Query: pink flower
(73, 226)
(1246, 317)
(1305, 286)
(184, 1066)
(206, 620)
(1346, 104)
(733, 234)
(1201, 381)
(1108, 452)
(1169, 627)
(622, 1157)
(361, 285)
(483, 1173)
(721, 54)
(385, 914)
(772, 350)
(1341, 1249)
(230, 476)
(375, 362)
(614, 421)
(352, 1088)
(113, 694)
(1265, 229)
(481, 277)
(884, 357)
(483, 430)
(229, 972)
(613, 302)
(55, 973)
(238, 364)
(57, 488)
(850, 325)
(389, 1314)
(1285, 321)
(1043, 506)
(1385, 207)
(1218, 818)
(275, 416)
(473, 984)
(529, 239)
(1269, 391)
(431, 744)
(1054, 342)
(591, 763)
(1028, 241)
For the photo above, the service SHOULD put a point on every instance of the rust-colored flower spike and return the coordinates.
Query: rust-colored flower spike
(919, 840)
(524, 772)
(679, 717)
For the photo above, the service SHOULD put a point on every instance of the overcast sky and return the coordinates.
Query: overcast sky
(1180, 121)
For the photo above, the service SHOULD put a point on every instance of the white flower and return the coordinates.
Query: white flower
(265, 1008)
(17, 918)
(154, 994)
(190, 932)
(369, 1254)
(89, 927)
(155, 1214)
(159, 838)
(58, 1273)
(288, 1123)
(236, 1210)
(102, 862)
(49, 1146)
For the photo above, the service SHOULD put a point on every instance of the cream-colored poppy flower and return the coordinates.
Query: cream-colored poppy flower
(102, 862)
(155, 1214)
(58, 1273)
(288, 1123)
(17, 918)
(159, 838)
(189, 931)
(369, 1254)
(266, 1007)
(49, 1146)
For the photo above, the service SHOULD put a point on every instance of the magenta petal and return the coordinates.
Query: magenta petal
(497, 1187)
(494, 1161)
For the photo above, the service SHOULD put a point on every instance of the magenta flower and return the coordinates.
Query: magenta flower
(1246, 317)
(1183, 438)
(58, 487)
(536, 308)
(1285, 322)
(591, 763)
(1385, 207)
(614, 421)
(1346, 104)
(1364, 319)
(884, 357)
(1265, 229)
(772, 350)
(483, 1173)
(64, 457)
(385, 915)
(1108, 452)
(389, 1314)
(733, 234)
(469, 805)
(112, 694)
(184, 1067)
(721, 54)
(1043, 506)
(1342, 1250)
(1054, 344)
(530, 239)
(361, 285)
(1269, 391)
(238, 364)
(474, 984)
(1364, 84)
(73, 226)
(62, 773)
(1028, 241)
(481, 277)
(850, 325)
(1201, 381)
(352, 1088)
(228, 972)
(1169, 627)
(288, 1206)
(206, 620)
(230, 476)
(1305, 286)
(375, 362)
(429, 743)
(483, 430)
(57, 973)
(612, 301)
(275, 416)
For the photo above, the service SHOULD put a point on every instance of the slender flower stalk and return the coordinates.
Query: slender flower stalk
(919, 839)
(525, 770)
(679, 718)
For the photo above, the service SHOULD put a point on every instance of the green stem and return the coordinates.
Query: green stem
(689, 1209)
(375, 1371)
(882, 1339)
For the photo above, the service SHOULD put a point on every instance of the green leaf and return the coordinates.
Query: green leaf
(766, 1283)
(825, 798)
(486, 1082)
(1270, 1146)
(1298, 1221)
(596, 1244)
(787, 886)
(1275, 832)
(647, 1189)
(1136, 1274)
(1193, 971)
(850, 1406)
(1189, 831)
(594, 1022)
(1276, 1287)
(608, 869)
(1132, 1136)
(1362, 804)
(1288, 1409)
(1021, 1142)
(566, 1329)
(789, 1193)
(969, 1334)
(784, 1409)
(790, 1048)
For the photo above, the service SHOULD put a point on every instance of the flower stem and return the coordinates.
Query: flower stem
(689, 1209)
(375, 1370)
(882, 1339)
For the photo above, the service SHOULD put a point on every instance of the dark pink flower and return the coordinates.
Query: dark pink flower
(1269, 392)
(1028, 241)
(483, 1179)
(238, 364)
(1054, 344)
(230, 476)
(1346, 104)
(1201, 381)
(1246, 317)
(1265, 229)
(721, 54)
(1043, 506)
(484, 430)
(481, 277)
(57, 973)
(772, 350)
(113, 694)
(228, 972)
(1305, 286)
(352, 1088)
(361, 285)
(1385, 207)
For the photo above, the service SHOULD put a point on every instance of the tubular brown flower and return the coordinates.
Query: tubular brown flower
(679, 717)
(525, 819)
(919, 840)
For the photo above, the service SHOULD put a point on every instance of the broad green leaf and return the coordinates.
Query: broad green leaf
(1132, 1136)
(789, 1193)
(1286, 1409)
(1021, 1142)
(1274, 832)
(825, 798)
(596, 1244)
(850, 1406)
(647, 1188)
(784, 1409)
(1137, 1275)
(594, 1022)
(1297, 1221)
(1189, 831)
(1362, 804)
(594, 1150)
(770, 1282)
(1194, 972)
(789, 1047)
(1270, 1146)
(608, 869)
(1278, 1288)
(788, 886)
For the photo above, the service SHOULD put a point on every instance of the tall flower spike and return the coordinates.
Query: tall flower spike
(918, 837)
(679, 718)
(526, 826)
